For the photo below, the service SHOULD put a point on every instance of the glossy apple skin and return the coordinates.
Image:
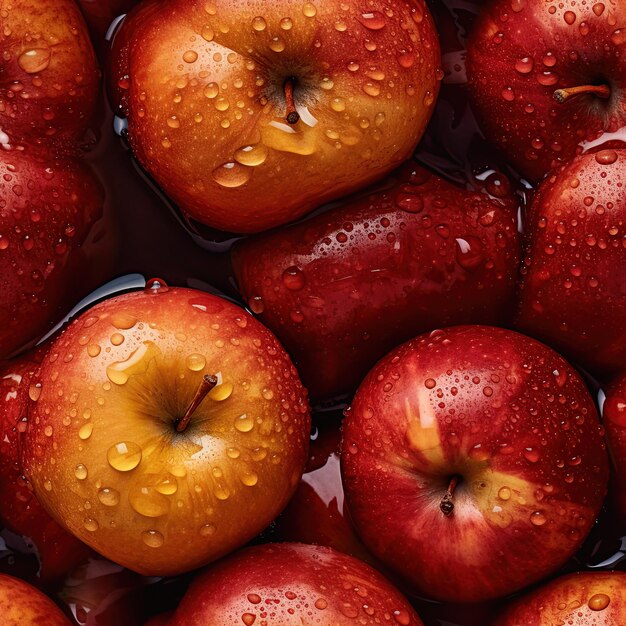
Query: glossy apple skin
(343, 288)
(513, 421)
(52, 248)
(20, 511)
(292, 584)
(52, 244)
(99, 15)
(103, 454)
(201, 82)
(50, 77)
(572, 293)
(614, 418)
(519, 53)
(22, 605)
(581, 599)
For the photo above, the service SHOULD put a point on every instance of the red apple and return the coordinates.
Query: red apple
(573, 289)
(162, 619)
(57, 550)
(316, 513)
(547, 79)
(249, 114)
(100, 15)
(22, 605)
(582, 599)
(473, 462)
(342, 289)
(52, 249)
(168, 427)
(614, 416)
(293, 584)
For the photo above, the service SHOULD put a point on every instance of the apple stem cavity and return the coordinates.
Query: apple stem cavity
(292, 116)
(563, 95)
(207, 383)
(446, 505)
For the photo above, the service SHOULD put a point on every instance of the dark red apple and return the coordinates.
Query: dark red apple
(614, 416)
(342, 289)
(168, 427)
(573, 288)
(473, 462)
(251, 114)
(22, 605)
(57, 550)
(547, 79)
(582, 599)
(289, 584)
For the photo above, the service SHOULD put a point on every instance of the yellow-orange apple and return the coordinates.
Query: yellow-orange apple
(167, 428)
(251, 113)
(22, 605)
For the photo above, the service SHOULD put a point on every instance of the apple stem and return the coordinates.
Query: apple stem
(293, 117)
(207, 383)
(446, 505)
(563, 95)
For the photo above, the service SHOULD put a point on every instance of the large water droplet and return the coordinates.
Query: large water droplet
(152, 538)
(124, 456)
(34, 60)
(108, 496)
(374, 20)
(232, 174)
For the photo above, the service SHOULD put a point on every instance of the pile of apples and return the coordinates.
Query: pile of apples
(381, 377)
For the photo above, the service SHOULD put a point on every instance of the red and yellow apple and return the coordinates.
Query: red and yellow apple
(22, 605)
(547, 79)
(57, 550)
(573, 286)
(291, 583)
(168, 427)
(473, 462)
(342, 289)
(582, 599)
(250, 114)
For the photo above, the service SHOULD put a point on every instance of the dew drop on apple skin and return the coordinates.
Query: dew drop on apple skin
(91, 525)
(373, 20)
(599, 602)
(252, 156)
(85, 431)
(34, 60)
(167, 487)
(232, 175)
(207, 530)
(148, 502)
(244, 423)
(108, 496)
(152, 538)
(538, 518)
(80, 472)
(124, 456)
(248, 619)
(195, 362)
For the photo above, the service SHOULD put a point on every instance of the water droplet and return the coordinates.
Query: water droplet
(124, 456)
(402, 617)
(538, 518)
(34, 392)
(598, 602)
(254, 598)
(373, 21)
(91, 525)
(469, 252)
(430, 383)
(108, 496)
(286, 23)
(248, 619)
(504, 493)
(232, 174)
(277, 44)
(152, 538)
(371, 89)
(259, 24)
(531, 455)
(80, 472)
(221, 392)
(34, 60)
(85, 431)
(569, 17)
(244, 423)
(309, 10)
(606, 157)
(195, 362)
(293, 278)
(148, 501)
(190, 56)
(524, 65)
(207, 530)
(167, 487)
(249, 479)
(211, 91)
(251, 156)
(321, 604)
(120, 371)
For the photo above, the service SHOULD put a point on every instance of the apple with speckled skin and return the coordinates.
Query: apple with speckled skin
(487, 441)
(250, 114)
(292, 583)
(57, 550)
(167, 428)
(22, 605)
(547, 79)
(573, 285)
(343, 288)
(581, 599)
(614, 417)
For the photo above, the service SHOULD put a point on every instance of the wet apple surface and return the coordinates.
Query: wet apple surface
(158, 238)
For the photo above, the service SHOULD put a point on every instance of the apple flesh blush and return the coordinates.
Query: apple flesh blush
(167, 428)
(473, 462)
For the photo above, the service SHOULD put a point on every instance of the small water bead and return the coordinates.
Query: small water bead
(321, 604)
(259, 24)
(293, 278)
(117, 339)
(207, 530)
(85, 431)
(430, 383)
(371, 89)
(249, 479)
(309, 10)
(232, 175)
(207, 33)
(373, 21)
(152, 538)
(504, 493)
(34, 60)
(569, 17)
(124, 456)
(91, 525)
(286, 23)
(34, 392)
(338, 105)
(524, 65)
(211, 91)
(252, 156)
(599, 602)
(108, 496)
(406, 59)
(248, 619)
(80, 472)
(598, 8)
(195, 362)
(190, 56)
(244, 423)
(277, 44)
(402, 617)
(254, 598)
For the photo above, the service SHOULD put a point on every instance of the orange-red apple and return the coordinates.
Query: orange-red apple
(249, 114)
(473, 462)
(289, 584)
(168, 427)
(614, 416)
(22, 605)
(582, 599)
